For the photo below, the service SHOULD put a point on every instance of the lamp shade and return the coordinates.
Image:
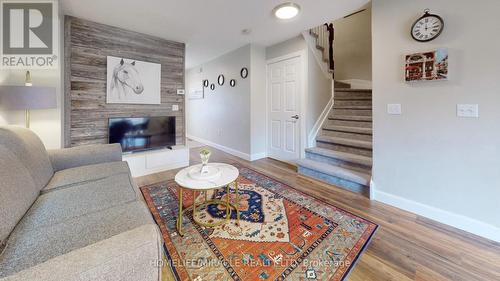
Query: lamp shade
(26, 97)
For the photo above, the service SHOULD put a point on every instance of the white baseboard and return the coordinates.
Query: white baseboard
(358, 83)
(311, 139)
(257, 156)
(458, 221)
(372, 189)
(229, 150)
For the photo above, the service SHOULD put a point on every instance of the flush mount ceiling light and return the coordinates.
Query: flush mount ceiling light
(286, 11)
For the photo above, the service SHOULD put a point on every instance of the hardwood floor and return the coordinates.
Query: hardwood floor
(406, 246)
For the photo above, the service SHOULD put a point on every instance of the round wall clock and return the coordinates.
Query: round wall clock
(212, 86)
(244, 72)
(232, 82)
(205, 83)
(220, 80)
(428, 27)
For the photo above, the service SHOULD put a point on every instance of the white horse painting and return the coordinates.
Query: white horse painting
(126, 80)
(131, 81)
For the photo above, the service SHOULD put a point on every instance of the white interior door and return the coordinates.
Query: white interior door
(283, 95)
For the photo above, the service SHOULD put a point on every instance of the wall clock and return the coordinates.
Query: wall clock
(205, 83)
(232, 82)
(428, 27)
(212, 86)
(244, 72)
(220, 80)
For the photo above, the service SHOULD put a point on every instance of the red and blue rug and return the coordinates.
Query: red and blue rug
(283, 234)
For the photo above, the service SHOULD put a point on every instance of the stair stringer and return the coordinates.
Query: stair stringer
(320, 122)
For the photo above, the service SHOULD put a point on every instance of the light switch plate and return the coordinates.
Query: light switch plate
(394, 108)
(175, 107)
(468, 110)
(180, 91)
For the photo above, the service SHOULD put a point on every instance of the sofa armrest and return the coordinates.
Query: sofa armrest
(84, 155)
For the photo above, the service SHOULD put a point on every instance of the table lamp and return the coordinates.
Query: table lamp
(27, 97)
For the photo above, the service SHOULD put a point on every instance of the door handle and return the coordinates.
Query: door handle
(296, 117)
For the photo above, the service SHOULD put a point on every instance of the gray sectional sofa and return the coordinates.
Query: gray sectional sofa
(72, 214)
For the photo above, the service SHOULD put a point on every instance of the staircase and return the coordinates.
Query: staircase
(343, 152)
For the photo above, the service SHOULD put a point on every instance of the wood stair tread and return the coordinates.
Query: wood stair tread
(348, 129)
(368, 98)
(360, 107)
(346, 142)
(351, 118)
(345, 156)
(336, 171)
(346, 90)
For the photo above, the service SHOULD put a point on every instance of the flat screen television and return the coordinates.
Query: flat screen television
(142, 133)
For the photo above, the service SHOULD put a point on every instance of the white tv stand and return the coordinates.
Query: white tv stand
(155, 161)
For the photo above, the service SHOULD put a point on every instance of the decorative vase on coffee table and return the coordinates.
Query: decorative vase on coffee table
(205, 156)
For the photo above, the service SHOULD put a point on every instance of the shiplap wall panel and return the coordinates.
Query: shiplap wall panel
(87, 45)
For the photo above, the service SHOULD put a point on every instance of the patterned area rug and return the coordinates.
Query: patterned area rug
(283, 234)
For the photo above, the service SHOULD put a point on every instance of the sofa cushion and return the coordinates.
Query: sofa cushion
(28, 247)
(17, 192)
(68, 203)
(128, 256)
(84, 174)
(30, 151)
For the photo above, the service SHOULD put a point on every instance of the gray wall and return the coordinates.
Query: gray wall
(428, 155)
(319, 92)
(352, 47)
(258, 101)
(223, 116)
(292, 45)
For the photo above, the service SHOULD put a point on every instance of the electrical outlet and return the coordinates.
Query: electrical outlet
(180, 91)
(468, 110)
(394, 109)
(175, 107)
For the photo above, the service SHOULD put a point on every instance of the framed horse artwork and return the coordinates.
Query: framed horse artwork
(133, 82)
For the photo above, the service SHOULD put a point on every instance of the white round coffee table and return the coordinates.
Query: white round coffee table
(217, 176)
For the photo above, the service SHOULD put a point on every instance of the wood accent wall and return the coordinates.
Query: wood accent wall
(86, 46)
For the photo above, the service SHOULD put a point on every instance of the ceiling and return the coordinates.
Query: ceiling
(209, 28)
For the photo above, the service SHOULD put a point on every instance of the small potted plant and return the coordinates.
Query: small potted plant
(204, 155)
